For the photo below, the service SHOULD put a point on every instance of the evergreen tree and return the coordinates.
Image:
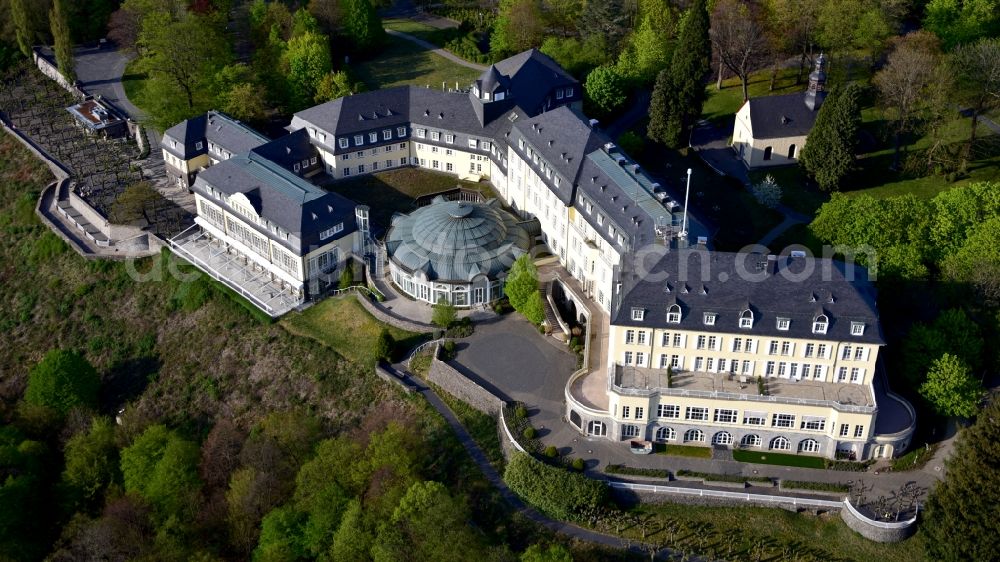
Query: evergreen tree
(957, 521)
(682, 91)
(362, 25)
(59, 23)
(828, 156)
(385, 344)
(24, 25)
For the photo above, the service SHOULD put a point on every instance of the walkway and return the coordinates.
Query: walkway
(510, 497)
(435, 49)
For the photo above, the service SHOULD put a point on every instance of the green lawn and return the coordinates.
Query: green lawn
(343, 325)
(482, 427)
(782, 459)
(757, 533)
(134, 83)
(726, 102)
(683, 451)
(403, 62)
(393, 191)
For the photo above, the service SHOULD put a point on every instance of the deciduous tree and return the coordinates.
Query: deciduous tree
(308, 60)
(952, 332)
(335, 85)
(955, 528)
(828, 155)
(738, 38)
(161, 467)
(904, 81)
(91, 462)
(519, 26)
(609, 19)
(522, 290)
(62, 380)
(605, 89)
(362, 26)
(962, 21)
(978, 73)
(951, 388)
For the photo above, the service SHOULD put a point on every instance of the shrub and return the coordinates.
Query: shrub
(551, 452)
(449, 349)
(384, 345)
(444, 314)
(553, 490)
(578, 465)
(848, 466)
(529, 433)
(520, 412)
(347, 275)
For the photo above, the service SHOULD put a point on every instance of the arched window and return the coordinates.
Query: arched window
(694, 435)
(629, 431)
(746, 319)
(666, 434)
(597, 429)
(722, 438)
(767, 153)
(820, 323)
(791, 152)
(750, 441)
(674, 314)
(808, 446)
(779, 444)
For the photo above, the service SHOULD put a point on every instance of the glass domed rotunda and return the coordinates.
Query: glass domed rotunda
(454, 251)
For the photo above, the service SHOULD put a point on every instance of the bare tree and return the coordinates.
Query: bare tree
(978, 71)
(905, 80)
(738, 38)
(792, 28)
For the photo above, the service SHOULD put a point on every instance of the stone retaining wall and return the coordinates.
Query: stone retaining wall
(877, 531)
(638, 496)
(391, 319)
(459, 386)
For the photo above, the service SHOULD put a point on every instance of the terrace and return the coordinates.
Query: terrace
(638, 381)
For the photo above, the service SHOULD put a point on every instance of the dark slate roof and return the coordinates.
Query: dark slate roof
(231, 134)
(360, 112)
(282, 198)
(562, 137)
(186, 133)
(491, 80)
(728, 283)
(289, 149)
(773, 117)
(533, 75)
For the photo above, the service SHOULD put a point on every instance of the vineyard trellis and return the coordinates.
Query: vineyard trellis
(102, 168)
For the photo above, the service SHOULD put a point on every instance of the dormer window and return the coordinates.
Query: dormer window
(198, 145)
(421, 133)
(746, 319)
(709, 318)
(387, 134)
(359, 140)
(372, 137)
(820, 324)
(343, 142)
(674, 314)
(784, 323)
(638, 314)
(435, 136)
(400, 132)
(857, 328)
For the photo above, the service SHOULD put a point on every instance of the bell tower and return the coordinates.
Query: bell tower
(817, 85)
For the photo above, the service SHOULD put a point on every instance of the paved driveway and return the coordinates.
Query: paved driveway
(100, 72)
(513, 359)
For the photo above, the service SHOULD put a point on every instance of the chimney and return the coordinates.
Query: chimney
(772, 264)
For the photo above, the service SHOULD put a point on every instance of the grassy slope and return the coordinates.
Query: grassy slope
(343, 325)
(403, 62)
(181, 352)
(826, 535)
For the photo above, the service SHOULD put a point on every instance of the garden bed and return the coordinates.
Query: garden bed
(633, 471)
(683, 451)
(830, 488)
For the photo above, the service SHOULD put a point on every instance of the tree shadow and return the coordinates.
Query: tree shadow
(127, 380)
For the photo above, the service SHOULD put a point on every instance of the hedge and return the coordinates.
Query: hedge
(632, 471)
(555, 491)
(818, 486)
(709, 477)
